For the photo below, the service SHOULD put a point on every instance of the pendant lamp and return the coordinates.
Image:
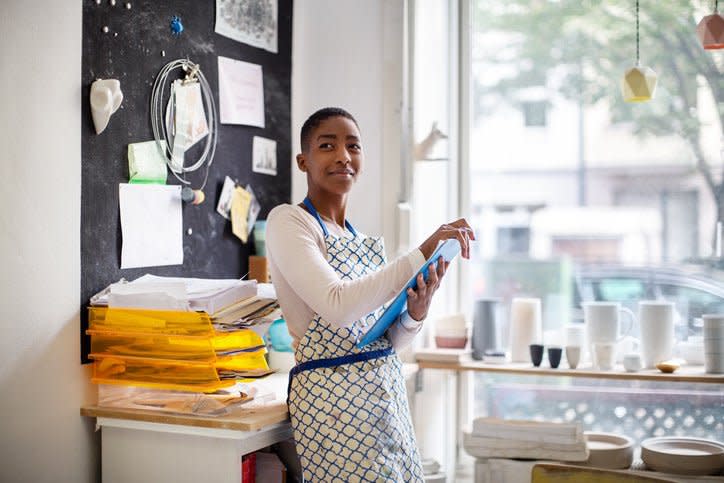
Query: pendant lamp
(711, 30)
(639, 82)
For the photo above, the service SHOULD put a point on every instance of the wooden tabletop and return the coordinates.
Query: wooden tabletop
(251, 419)
(686, 373)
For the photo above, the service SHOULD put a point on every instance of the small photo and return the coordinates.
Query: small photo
(264, 156)
(227, 191)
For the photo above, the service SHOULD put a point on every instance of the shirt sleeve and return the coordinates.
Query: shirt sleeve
(403, 331)
(340, 302)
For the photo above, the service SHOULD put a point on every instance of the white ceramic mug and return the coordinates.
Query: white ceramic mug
(526, 327)
(656, 318)
(604, 355)
(603, 322)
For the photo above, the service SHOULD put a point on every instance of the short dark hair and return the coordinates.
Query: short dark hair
(316, 119)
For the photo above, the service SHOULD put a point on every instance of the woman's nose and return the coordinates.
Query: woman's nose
(343, 155)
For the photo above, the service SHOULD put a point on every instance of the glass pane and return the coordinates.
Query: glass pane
(576, 195)
(563, 172)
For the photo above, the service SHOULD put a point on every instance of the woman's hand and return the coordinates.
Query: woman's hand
(418, 300)
(458, 229)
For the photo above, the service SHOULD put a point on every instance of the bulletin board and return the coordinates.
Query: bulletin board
(131, 41)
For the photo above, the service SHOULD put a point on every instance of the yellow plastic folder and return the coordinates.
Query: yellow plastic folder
(169, 349)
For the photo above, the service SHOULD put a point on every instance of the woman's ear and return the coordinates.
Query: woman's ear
(302, 163)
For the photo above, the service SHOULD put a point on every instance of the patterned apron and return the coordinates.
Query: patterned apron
(349, 406)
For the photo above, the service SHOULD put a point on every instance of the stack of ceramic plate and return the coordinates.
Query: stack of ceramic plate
(451, 332)
(683, 456)
(714, 343)
(609, 450)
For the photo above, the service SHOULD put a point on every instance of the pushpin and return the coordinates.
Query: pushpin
(189, 231)
(199, 197)
(176, 26)
(105, 29)
(187, 194)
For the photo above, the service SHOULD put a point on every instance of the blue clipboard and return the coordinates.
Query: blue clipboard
(447, 250)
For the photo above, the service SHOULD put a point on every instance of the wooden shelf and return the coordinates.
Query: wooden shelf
(693, 374)
(252, 419)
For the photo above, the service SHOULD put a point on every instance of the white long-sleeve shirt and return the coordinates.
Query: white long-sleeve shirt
(306, 284)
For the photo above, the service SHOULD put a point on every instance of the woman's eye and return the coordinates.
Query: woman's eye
(355, 147)
(325, 146)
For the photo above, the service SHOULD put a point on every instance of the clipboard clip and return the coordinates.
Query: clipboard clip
(192, 72)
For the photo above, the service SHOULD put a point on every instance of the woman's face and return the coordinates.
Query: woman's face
(334, 157)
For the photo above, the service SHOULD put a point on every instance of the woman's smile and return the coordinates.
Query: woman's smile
(343, 172)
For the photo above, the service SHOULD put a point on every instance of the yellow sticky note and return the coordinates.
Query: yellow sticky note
(240, 202)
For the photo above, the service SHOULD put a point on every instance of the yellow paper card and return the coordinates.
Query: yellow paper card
(240, 202)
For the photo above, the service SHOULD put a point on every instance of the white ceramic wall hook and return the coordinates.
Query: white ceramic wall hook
(105, 99)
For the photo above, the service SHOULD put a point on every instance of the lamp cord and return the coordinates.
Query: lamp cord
(637, 33)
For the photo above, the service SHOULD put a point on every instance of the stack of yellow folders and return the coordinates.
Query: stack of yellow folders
(169, 349)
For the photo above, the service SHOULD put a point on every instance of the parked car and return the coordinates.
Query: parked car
(694, 292)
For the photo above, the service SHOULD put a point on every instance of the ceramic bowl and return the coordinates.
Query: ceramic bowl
(683, 456)
(450, 342)
(609, 450)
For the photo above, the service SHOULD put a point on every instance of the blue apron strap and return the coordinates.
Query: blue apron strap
(336, 361)
(313, 211)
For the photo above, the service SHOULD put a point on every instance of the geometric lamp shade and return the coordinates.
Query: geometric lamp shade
(639, 84)
(711, 31)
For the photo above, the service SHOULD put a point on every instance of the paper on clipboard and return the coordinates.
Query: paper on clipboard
(448, 251)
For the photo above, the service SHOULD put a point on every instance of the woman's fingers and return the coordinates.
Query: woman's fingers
(432, 279)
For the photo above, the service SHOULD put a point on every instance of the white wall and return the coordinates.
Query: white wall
(42, 383)
(348, 54)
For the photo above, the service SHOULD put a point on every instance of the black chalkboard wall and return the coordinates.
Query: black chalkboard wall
(131, 51)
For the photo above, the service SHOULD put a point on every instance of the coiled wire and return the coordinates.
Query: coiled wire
(161, 131)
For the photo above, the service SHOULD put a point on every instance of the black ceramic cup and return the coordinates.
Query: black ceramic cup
(554, 356)
(536, 354)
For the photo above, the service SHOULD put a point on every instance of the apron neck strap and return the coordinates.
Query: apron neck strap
(313, 211)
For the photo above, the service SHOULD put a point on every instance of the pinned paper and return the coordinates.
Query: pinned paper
(151, 225)
(241, 93)
(264, 156)
(240, 202)
(252, 22)
(189, 104)
(186, 119)
(254, 209)
(227, 192)
(146, 163)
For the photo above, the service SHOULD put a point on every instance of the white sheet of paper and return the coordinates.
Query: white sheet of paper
(264, 156)
(151, 225)
(241, 92)
(253, 22)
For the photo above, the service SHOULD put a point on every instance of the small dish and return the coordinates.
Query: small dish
(609, 450)
(451, 342)
(683, 456)
(667, 367)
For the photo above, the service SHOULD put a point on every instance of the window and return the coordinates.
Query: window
(626, 196)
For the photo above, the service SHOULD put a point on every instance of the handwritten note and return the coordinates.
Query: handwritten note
(241, 92)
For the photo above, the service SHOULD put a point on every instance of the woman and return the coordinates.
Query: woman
(348, 406)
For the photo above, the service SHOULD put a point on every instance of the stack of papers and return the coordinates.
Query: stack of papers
(499, 438)
(176, 293)
(252, 312)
